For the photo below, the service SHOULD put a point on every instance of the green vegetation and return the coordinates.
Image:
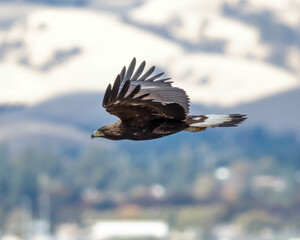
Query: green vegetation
(261, 190)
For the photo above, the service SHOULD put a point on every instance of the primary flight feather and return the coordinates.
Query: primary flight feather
(149, 107)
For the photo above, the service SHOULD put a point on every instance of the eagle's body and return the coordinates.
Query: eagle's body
(149, 108)
(150, 130)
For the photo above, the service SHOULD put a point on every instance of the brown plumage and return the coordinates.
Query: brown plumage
(149, 107)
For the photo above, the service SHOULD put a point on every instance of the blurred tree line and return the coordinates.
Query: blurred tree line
(97, 178)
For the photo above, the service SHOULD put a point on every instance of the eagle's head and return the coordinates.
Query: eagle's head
(111, 131)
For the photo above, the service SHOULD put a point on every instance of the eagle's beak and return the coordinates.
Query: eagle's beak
(97, 134)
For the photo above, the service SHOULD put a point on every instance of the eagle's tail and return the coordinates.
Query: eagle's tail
(199, 123)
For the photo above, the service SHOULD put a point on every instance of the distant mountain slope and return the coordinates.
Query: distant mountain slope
(10, 108)
(278, 113)
(83, 110)
(64, 122)
(27, 132)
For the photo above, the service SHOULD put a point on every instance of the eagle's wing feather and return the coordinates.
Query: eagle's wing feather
(139, 98)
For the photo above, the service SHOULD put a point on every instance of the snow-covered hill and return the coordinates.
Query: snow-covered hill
(215, 79)
(247, 28)
(219, 60)
(36, 62)
(201, 23)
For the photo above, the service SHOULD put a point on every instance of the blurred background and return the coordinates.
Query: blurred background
(231, 56)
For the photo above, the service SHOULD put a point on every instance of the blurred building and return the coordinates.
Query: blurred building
(68, 231)
(10, 237)
(129, 229)
(274, 183)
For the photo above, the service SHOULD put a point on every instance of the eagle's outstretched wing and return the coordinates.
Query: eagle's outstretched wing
(137, 98)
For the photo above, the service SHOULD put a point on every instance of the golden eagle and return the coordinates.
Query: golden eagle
(149, 107)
